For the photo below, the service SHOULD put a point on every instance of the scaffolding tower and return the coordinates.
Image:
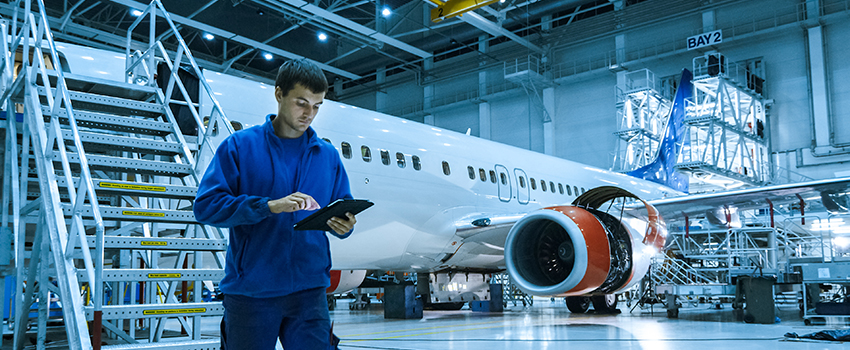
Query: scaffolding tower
(727, 143)
(642, 113)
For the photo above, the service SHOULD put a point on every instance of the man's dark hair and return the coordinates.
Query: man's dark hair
(301, 72)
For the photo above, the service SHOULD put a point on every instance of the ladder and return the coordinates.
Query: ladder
(98, 186)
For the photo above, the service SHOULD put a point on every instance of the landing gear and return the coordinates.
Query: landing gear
(578, 305)
(605, 304)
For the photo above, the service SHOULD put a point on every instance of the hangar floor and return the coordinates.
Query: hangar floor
(547, 325)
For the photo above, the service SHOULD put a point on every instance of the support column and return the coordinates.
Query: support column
(428, 119)
(708, 21)
(620, 50)
(817, 79)
(381, 95)
(484, 120)
(549, 121)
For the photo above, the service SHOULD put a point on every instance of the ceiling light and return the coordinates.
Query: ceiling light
(323, 37)
(386, 12)
(209, 36)
(261, 12)
(136, 13)
(268, 56)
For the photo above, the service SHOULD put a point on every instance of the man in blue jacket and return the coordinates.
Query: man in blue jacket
(261, 182)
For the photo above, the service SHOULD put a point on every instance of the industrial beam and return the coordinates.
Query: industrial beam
(495, 30)
(366, 31)
(452, 8)
(238, 38)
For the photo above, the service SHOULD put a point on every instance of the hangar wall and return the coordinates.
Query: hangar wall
(585, 114)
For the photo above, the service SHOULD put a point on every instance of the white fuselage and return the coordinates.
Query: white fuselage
(411, 227)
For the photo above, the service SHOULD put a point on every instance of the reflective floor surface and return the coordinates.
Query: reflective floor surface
(549, 325)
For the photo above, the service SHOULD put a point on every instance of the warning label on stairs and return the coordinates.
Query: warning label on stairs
(175, 311)
(132, 187)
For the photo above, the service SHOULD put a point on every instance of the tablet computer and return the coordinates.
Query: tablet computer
(319, 219)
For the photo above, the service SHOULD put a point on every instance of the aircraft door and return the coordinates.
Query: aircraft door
(522, 189)
(504, 181)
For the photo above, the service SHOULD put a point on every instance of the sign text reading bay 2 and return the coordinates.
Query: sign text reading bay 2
(705, 39)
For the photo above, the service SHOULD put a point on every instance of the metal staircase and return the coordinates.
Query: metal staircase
(98, 187)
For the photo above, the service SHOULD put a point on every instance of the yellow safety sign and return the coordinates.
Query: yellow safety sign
(165, 275)
(156, 243)
(121, 186)
(143, 213)
(175, 311)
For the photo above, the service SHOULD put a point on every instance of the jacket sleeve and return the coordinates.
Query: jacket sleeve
(218, 202)
(342, 189)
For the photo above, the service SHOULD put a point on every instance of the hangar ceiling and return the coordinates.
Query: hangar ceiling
(236, 36)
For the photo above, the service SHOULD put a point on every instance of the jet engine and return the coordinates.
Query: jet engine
(581, 249)
(345, 280)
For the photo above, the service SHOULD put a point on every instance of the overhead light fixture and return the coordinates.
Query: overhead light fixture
(268, 56)
(386, 12)
(261, 12)
(209, 36)
(323, 37)
(136, 13)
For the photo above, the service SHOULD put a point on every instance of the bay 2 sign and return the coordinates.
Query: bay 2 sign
(705, 39)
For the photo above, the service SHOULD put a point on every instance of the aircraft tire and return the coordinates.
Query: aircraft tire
(578, 305)
(604, 304)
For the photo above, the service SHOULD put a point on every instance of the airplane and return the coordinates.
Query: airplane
(456, 209)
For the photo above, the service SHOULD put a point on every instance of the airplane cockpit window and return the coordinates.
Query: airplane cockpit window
(346, 150)
(522, 182)
(543, 185)
(482, 175)
(503, 178)
(385, 157)
(492, 176)
(417, 165)
(552, 186)
(471, 171)
(400, 159)
(367, 153)
(561, 188)
(532, 183)
(446, 169)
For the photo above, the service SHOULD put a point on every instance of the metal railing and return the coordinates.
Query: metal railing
(140, 68)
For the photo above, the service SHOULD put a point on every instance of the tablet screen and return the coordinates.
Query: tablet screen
(319, 220)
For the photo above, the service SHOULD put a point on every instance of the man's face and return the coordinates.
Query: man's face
(296, 110)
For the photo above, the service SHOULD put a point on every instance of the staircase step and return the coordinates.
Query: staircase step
(84, 83)
(129, 166)
(108, 104)
(136, 214)
(138, 275)
(203, 344)
(120, 312)
(93, 141)
(142, 189)
(158, 243)
(112, 122)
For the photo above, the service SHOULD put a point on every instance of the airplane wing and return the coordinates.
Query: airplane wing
(833, 193)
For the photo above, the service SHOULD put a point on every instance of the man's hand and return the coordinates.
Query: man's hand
(292, 203)
(341, 226)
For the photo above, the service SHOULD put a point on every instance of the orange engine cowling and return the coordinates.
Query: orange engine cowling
(579, 250)
(345, 280)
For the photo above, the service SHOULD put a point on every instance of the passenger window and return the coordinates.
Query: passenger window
(492, 176)
(552, 186)
(367, 154)
(532, 183)
(326, 140)
(482, 175)
(561, 188)
(385, 157)
(446, 169)
(569, 190)
(575, 189)
(522, 182)
(503, 178)
(400, 159)
(346, 150)
(471, 172)
(543, 185)
(417, 165)
(582, 190)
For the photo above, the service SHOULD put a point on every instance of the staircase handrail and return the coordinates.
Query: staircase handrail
(218, 119)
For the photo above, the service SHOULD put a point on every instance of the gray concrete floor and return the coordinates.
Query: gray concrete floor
(549, 325)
